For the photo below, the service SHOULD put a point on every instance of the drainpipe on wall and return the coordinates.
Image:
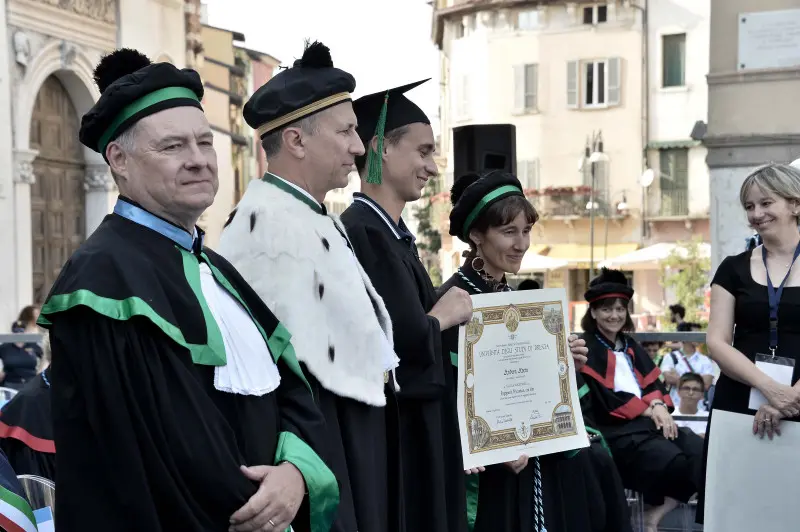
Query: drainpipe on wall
(645, 100)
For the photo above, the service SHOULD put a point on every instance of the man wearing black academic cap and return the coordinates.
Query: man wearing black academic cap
(177, 401)
(298, 259)
(399, 162)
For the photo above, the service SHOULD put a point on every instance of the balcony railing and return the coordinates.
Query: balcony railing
(567, 203)
(674, 202)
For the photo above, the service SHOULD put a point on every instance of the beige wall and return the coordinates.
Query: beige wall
(156, 27)
(218, 44)
(216, 75)
(753, 115)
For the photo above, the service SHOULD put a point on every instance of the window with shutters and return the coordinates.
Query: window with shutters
(526, 82)
(594, 84)
(528, 173)
(674, 182)
(673, 60)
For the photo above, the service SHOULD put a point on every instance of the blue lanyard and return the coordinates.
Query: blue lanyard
(775, 299)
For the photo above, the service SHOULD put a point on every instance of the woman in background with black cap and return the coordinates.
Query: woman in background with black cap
(631, 405)
(492, 215)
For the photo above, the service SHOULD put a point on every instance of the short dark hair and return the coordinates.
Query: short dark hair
(503, 212)
(687, 377)
(273, 141)
(392, 137)
(529, 284)
(678, 309)
(589, 324)
(648, 344)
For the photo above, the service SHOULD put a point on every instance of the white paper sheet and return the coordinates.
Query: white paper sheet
(751, 484)
(780, 374)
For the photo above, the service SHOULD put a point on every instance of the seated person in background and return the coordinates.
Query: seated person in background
(689, 359)
(630, 405)
(19, 359)
(690, 389)
(654, 350)
(26, 427)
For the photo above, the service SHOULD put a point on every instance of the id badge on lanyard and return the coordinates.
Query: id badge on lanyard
(780, 369)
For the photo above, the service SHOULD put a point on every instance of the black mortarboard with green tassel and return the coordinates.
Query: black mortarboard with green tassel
(377, 115)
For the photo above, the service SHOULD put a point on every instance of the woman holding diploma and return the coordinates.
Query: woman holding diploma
(631, 405)
(571, 492)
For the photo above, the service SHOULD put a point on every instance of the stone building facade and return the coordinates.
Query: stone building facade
(54, 191)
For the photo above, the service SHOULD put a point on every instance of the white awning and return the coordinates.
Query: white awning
(534, 262)
(650, 258)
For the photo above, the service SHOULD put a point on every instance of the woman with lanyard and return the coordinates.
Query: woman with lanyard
(572, 492)
(754, 323)
(631, 405)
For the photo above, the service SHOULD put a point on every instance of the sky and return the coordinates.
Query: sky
(383, 43)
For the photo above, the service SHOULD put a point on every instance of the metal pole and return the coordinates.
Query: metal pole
(591, 226)
(605, 242)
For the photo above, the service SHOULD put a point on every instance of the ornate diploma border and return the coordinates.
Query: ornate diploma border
(480, 436)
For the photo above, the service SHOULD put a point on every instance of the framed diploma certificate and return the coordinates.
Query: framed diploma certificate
(516, 379)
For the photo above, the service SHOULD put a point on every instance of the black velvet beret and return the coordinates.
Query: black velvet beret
(472, 194)
(311, 85)
(132, 88)
(609, 284)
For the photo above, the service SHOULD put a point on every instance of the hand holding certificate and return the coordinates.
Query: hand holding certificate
(516, 381)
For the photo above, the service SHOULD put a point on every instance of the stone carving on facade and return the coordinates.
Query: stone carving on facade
(104, 10)
(22, 48)
(68, 53)
(23, 166)
(25, 173)
(98, 179)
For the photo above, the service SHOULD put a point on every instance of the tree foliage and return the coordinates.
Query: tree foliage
(686, 272)
(429, 240)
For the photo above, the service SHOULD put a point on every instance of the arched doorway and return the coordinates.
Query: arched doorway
(57, 196)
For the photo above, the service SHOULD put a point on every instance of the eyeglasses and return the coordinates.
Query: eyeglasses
(691, 389)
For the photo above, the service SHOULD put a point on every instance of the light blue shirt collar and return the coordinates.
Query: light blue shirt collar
(138, 215)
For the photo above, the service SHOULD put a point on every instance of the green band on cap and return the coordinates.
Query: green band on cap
(484, 202)
(167, 93)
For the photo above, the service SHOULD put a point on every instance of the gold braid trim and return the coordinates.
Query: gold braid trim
(303, 111)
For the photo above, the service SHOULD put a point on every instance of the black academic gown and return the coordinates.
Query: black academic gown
(581, 490)
(145, 441)
(26, 431)
(362, 449)
(647, 461)
(433, 475)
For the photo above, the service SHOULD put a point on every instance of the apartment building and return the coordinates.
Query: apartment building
(599, 93)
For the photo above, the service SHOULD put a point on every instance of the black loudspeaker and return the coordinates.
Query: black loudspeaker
(484, 147)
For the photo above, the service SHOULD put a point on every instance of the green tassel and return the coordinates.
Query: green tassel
(374, 162)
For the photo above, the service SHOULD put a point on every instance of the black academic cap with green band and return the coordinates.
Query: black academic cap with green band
(132, 88)
(380, 113)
